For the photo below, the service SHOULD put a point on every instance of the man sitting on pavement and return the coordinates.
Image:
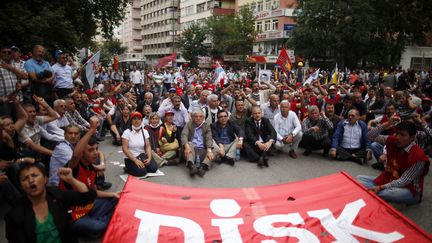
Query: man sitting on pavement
(224, 134)
(288, 129)
(260, 137)
(350, 140)
(316, 129)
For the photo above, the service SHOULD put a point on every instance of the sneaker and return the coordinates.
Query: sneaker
(201, 171)
(192, 168)
(378, 166)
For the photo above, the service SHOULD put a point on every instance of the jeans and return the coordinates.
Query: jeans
(133, 169)
(96, 221)
(377, 149)
(395, 194)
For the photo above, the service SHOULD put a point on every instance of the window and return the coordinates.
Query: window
(275, 4)
(253, 7)
(275, 24)
(267, 25)
(268, 5)
(201, 8)
(209, 5)
(260, 6)
(259, 26)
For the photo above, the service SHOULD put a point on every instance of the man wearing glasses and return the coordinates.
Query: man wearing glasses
(10, 80)
(350, 139)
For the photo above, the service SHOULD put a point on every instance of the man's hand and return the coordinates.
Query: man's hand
(288, 139)
(261, 146)
(41, 101)
(147, 161)
(210, 155)
(65, 174)
(221, 150)
(4, 164)
(139, 163)
(116, 194)
(375, 189)
(94, 123)
(268, 145)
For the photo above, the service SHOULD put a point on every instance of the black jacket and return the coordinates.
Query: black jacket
(21, 220)
(266, 131)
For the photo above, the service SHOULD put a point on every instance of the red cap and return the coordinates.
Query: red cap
(90, 92)
(136, 113)
(169, 112)
(426, 99)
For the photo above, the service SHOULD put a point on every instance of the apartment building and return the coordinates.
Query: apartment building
(197, 11)
(130, 31)
(160, 28)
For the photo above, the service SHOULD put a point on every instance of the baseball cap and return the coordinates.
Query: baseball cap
(136, 114)
(172, 90)
(169, 112)
(426, 99)
(58, 53)
(15, 48)
(90, 92)
(332, 87)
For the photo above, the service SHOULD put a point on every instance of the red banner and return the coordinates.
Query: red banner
(162, 62)
(326, 209)
(284, 61)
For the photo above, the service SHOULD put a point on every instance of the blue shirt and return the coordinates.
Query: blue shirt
(198, 138)
(33, 66)
(224, 136)
(60, 156)
(63, 76)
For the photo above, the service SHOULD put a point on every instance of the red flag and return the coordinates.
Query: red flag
(284, 61)
(326, 209)
(116, 63)
(165, 60)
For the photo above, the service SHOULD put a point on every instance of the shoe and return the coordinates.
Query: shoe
(229, 161)
(378, 166)
(104, 186)
(265, 162)
(293, 154)
(307, 152)
(261, 163)
(172, 162)
(192, 168)
(202, 170)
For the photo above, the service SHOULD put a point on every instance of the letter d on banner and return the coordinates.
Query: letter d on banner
(150, 224)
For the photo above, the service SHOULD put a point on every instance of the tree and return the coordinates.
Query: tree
(354, 31)
(68, 25)
(232, 34)
(192, 44)
(110, 48)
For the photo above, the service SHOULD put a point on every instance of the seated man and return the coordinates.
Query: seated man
(91, 219)
(316, 129)
(403, 177)
(260, 137)
(350, 139)
(288, 129)
(197, 141)
(224, 134)
(74, 117)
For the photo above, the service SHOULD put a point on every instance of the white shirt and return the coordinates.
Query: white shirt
(352, 136)
(136, 141)
(286, 125)
(136, 77)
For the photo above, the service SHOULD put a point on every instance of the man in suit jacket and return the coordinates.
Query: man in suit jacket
(260, 137)
(188, 96)
(198, 144)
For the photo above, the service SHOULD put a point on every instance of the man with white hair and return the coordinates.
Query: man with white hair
(288, 129)
(200, 103)
(212, 108)
(57, 126)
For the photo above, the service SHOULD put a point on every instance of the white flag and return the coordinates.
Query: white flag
(91, 67)
(312, 77)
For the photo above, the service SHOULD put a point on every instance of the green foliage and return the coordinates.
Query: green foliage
(353, 31)
(192, 44)
(110, 48)
(232, 35)
(68, 25)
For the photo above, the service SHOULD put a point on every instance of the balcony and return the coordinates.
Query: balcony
(222, 11)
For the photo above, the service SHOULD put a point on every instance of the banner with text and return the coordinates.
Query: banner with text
(325, 209)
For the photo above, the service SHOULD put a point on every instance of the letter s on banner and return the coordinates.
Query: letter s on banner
(150, 224)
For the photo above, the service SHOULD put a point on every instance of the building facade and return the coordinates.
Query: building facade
(273, 22)
(160, 28)
(130, 31)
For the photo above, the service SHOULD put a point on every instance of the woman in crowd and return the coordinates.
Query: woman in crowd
(136, 147)
(42, 215)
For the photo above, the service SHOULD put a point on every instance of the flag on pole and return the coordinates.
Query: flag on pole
(284, 61)
(116, 63)
(91, 68)
(219, 75)
(312, 77)
(165, 60)
(335, 75)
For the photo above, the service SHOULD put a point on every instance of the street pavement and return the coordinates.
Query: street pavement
(282, 169)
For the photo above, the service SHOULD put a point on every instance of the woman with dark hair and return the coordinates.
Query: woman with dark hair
(136, 146)
(42, 215)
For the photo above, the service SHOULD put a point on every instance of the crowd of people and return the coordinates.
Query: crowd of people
(51, 123)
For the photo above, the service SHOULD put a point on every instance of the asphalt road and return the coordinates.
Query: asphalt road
(282, 169)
